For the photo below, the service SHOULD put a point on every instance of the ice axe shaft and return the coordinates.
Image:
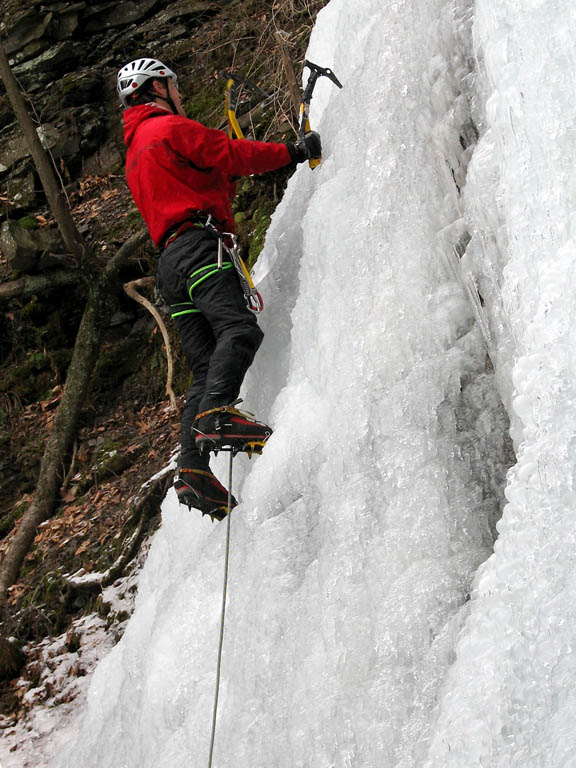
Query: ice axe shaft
(235, 84)
(315, 73)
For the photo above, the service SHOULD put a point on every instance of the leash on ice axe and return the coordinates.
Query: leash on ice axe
(315, 73)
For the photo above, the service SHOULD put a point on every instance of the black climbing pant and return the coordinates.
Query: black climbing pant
(219, 334)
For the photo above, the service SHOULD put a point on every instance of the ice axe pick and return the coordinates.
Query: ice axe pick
(315, 73)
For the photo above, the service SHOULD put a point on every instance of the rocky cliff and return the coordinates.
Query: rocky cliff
(65, 56)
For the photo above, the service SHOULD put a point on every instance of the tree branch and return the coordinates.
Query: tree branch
(30, 285)
(130, 289)
(293, 87)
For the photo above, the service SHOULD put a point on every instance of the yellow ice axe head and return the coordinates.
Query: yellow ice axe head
(234, 85)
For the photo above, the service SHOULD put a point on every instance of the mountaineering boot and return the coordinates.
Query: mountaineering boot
(200, 489)
(227, 428)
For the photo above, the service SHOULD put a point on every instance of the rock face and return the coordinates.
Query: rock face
(27, 249)
(12, 659)
(65, 55)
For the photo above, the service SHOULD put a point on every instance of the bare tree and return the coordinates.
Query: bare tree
(56, 199)
(103, 289)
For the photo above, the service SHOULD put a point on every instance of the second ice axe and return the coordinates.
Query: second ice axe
(315, 73)
(235, 84)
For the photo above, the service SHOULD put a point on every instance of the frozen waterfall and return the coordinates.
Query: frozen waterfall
(418, 295)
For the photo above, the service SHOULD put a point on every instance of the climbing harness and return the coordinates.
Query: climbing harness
(228, 245)
(315, 73)
(223, 612)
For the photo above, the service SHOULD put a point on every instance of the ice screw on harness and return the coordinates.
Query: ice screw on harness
(315, 73)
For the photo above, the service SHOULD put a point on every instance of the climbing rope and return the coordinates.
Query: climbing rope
(223, 614)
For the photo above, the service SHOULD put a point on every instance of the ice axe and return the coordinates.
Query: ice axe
(315, 73)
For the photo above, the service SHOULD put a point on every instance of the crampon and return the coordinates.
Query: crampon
(202, 490)
(228, 429)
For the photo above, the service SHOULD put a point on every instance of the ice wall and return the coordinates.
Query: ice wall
(510, 699)
(362, 525)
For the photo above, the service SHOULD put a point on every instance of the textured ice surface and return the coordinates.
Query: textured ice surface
(362, 525)
(510, 698)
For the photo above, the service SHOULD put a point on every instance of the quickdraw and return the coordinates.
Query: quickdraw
(252, 295)
(227, 243)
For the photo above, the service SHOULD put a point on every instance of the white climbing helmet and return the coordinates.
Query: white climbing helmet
(136, 73)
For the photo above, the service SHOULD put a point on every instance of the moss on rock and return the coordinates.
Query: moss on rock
(28, 222)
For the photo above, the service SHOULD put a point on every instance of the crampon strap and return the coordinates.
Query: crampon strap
(230, 408)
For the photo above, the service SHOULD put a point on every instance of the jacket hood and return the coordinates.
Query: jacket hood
(133, 116)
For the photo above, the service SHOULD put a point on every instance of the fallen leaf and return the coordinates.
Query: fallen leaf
(83, 547)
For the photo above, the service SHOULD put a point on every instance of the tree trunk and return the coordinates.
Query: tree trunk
(101, 299)
(54, 193)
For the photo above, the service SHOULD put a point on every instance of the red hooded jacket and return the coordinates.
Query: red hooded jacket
(176, 167)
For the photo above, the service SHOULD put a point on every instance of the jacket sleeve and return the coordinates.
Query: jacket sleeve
(208, 148)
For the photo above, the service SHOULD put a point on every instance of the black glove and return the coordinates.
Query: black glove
(308, 148)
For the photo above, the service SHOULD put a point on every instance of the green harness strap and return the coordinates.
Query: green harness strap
(181, 312)
(202, 274)
(209, 270)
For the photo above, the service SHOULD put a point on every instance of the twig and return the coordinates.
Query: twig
(295, 96)
(130, 289)
(71, 468)
(223, 45)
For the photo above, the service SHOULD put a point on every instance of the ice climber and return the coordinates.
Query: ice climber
(180, 174)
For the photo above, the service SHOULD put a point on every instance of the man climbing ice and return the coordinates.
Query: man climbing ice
(180, 175)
